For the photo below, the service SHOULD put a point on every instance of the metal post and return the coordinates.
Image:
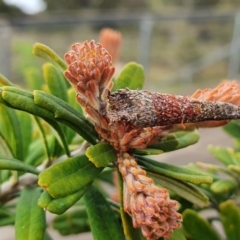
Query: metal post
(234, 61)
(146, 27)
(5, 37)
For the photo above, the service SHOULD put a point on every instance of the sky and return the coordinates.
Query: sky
(28, 6)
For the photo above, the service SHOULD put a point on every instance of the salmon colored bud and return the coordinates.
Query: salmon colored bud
(150, 206)
(111, 40)
(90, 71)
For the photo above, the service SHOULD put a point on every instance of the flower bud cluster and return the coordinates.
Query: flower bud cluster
(90, 71)
(124, 137)
(150, 206)
(227, 91)
(111, 40)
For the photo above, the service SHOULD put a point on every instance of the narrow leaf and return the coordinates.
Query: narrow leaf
(74, 104)
(5, 149)
(30, 218)
(33, 78)
(61, 134)
(101, 154)
(60, 205)
(69, 176)
(230, 218)
(176, 172)
(4, 81)
(23, 100)
(20, 99)
(14, 164)
(72, 222)
(132, 77)
(26, 128)
(5, 175)
(148, 151)
(37, 151)
(178, 235)
(223, 186)
(234, 168)
(197, 227)
(107, 175)
(47, 236)
(5, 221)
(55, 81)
(104, 224)
(48, 54)
(184, 190)
(213, 169)
(57, 85)
(233, 129)
(177, 140)
(66, 114)
(18, 139)
(44, 138)
(224, 155)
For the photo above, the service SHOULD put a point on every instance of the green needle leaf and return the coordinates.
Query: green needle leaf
(23, 100)
(48, 54)
(14, 164)
(132, 77)
(55, 81)
(44, 138)
(5, 221)
(72, 222)
(20, 99)
(66, 114)
(176, 172)
(101, 217)
(18, 139)
(230, 218)
(223, 186)
(4, 81)
(5, 148)
(26, 123)
(6, 134)
(30, 218)
(174, 141)
(148, 151)
(33, 78)
(234, 168)
(101, 154)
(58, 128)
(224, 155)
(37, 151)
(184, 190)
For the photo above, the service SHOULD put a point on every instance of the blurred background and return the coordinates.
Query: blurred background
(182, 44)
